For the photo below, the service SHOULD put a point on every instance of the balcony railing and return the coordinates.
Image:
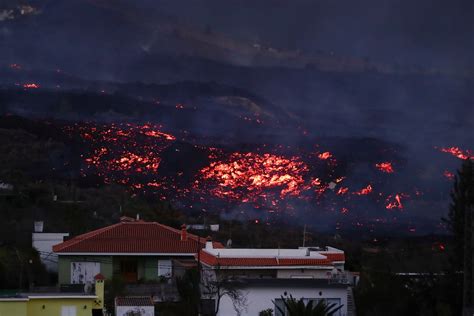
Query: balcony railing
(160, 292)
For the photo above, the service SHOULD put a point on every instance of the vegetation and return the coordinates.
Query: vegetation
(188, 289)
(295, 307)
(266, 312)
(459, 222)
(462, 197)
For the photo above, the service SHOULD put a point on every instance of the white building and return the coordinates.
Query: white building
(134, 306)
(43, 243)
(262, 276)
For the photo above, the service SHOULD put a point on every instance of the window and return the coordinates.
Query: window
(165, 268)
(83, 272)
(68, 311)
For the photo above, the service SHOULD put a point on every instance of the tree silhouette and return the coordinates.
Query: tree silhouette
(460, 222)
(299, 308)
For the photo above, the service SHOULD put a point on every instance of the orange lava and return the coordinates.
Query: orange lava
(449, 175)
(250, 176)
(325, 155)
(458, 152)
(396, 202)
(364, 191)
(118, 152)
(31, 86)
(385, 167)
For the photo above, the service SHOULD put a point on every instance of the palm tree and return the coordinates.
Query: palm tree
(298, 308)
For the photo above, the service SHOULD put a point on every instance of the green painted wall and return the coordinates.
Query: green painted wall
(64, 266)
(13, 308)
(151, 268)
(147, 266)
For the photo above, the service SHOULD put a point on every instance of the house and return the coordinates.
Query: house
(55, 303)
(43, 242)
(253, 280)
(134, 305)
(134, 250)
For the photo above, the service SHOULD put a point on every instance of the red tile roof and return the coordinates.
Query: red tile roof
(133, 237)
(134, 301)
(99, 277)
(335, 257)
(212, 260)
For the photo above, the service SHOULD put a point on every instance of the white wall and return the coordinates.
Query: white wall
(44, 242)
(303, 273)
(261, 298)
(144, 310)
(84, 272)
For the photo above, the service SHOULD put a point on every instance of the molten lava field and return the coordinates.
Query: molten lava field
(344, 180)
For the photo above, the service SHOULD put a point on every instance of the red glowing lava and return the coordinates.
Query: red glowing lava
(248, 177)
(325, 155)
(31, 86)
(364, 191)
(458, 152)
(270, 178)
(449, 175)
(385, 167)
(120, 152)
(396, 202)
(342, 191)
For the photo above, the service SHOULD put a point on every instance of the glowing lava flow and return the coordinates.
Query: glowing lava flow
(458, 152)
(385, 167)
(325, 155)
(268, 178)
(364, 191)
(248, 177)
(123, 153)
(449, 175)
(396, 202)
(31, 86)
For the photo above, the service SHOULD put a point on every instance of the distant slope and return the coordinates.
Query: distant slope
(109, 36)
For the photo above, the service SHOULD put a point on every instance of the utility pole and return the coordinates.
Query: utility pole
(304, 235)
(199, 275)
(20, 282)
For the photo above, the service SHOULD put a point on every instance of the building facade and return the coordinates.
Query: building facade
(135, 251)
(55, 303)
(248, 281)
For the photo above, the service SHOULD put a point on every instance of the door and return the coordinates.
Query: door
(129, 270)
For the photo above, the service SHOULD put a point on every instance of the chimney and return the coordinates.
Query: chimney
(99, 292)
(38, 226)
(184, 233)
(209, 245)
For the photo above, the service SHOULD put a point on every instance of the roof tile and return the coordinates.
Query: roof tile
(212, 260)
(132, 237)
(133, 301)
